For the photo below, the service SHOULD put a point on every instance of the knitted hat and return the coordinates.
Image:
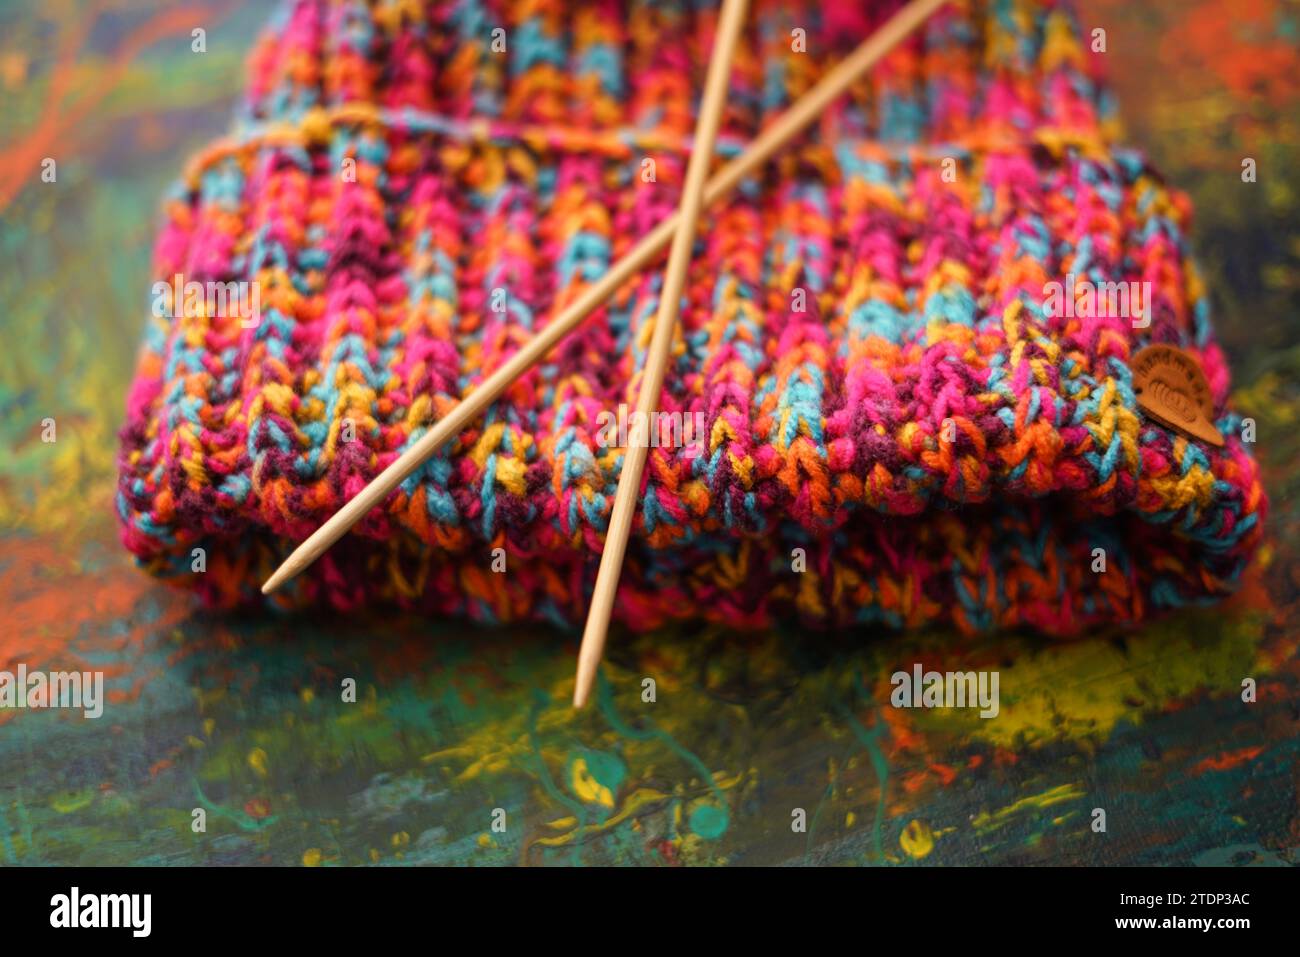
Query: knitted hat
(894, 403)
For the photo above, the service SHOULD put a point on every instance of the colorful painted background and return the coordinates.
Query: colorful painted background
(243, 716)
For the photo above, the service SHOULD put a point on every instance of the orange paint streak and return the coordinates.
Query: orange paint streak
(945, 773)
(914, 781)
(57, 610)
(1003, 757)
(22, 159)
(1228, 759)
(901, 736)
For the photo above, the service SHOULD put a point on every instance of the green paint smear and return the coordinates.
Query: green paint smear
(605, 699)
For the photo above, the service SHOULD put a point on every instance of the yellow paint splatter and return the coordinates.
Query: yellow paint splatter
(631, 805)
(311, 857)
(1162, 663)
(257, 761)
(917, 840)
(586, 787)
(984, 821)
(75, 801)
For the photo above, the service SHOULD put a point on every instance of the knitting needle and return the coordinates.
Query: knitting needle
(806, 109)
(656, 362)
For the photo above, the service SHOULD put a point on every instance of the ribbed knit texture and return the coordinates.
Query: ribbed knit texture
(523, 171)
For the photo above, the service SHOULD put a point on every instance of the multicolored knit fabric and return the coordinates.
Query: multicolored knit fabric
(882, 282)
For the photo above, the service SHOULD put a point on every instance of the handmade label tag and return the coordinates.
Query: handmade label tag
(1171, 388)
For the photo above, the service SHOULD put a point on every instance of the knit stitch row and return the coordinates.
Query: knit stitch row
(864, 331)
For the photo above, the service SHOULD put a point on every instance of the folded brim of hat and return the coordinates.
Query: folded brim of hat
(874, 410)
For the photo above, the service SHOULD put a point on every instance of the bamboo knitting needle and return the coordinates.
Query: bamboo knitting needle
(656, 361)
(806, 109)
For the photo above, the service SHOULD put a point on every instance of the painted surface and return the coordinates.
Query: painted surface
(244, 717)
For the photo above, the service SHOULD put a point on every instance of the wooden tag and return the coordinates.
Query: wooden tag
(1171, 388)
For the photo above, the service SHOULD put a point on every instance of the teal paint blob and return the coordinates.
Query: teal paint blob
(608, 770)
(709, 821)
